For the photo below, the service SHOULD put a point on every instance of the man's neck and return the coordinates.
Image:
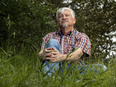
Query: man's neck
(66, 30)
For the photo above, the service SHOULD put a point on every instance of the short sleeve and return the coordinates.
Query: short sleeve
(44, 41)
(84, 43)
(46, 38)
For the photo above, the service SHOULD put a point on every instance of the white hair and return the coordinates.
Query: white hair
(60, 10)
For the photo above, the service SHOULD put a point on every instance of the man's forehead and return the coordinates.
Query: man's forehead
(66, 11)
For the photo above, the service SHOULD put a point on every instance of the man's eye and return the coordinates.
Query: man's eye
(60, 16)
(67, 15)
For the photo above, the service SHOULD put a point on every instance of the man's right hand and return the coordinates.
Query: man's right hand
(46, 53)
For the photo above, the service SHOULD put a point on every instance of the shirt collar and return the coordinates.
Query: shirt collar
(60, 32)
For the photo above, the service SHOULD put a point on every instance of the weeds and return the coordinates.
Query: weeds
(24, 69)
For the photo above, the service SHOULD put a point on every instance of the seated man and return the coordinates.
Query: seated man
(66, 44)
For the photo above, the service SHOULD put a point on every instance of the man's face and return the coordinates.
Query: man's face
(65, 19)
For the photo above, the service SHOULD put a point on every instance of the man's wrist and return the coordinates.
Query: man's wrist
(40, 54)
(64, 57)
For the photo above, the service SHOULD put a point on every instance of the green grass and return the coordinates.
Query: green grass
(23, 69)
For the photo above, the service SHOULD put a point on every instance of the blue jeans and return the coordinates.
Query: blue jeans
(50, 67)
(82, 68)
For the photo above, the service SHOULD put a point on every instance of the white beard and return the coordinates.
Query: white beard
(64, 25)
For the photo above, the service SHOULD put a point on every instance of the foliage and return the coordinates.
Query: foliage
(25, 22)
(23, 69)
(98, 17)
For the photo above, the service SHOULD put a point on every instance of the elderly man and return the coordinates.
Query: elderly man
(66, 44)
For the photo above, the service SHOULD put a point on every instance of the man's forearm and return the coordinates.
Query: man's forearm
(73, 56)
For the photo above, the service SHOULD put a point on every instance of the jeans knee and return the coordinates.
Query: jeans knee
(104, 67)
(52, 40)
(101, 66)
(55, 44)
(51, 43)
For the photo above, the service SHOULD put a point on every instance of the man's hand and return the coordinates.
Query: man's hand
(53, 55)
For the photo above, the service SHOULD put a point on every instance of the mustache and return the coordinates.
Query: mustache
(64, 20)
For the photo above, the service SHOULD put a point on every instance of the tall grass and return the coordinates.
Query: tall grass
(23, 69)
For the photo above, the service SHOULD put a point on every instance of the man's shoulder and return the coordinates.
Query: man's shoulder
(80, 34)
(50, 34)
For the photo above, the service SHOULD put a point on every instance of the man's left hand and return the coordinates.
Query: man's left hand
(56, 56)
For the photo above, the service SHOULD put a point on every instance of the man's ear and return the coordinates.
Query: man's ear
(57, 24)
(74, 21)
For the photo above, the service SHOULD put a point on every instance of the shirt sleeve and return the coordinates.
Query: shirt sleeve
(43, 44)
(84, 43)
(44, 41)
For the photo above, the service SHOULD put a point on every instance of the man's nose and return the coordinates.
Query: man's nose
(64, 17)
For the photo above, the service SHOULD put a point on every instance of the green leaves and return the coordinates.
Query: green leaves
(96, 19)
(31, 20)
(24, 69)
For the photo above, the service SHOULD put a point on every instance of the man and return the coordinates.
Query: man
(66, 44)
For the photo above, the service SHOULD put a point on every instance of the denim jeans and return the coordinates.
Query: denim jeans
(82, 68)
(50, 67)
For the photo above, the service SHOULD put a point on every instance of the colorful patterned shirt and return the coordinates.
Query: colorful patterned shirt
(74, 39)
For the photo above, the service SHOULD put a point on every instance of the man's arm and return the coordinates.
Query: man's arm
(56, 56)
(75, 55)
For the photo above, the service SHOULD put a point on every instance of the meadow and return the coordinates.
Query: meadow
(23, 24)
(24, 69)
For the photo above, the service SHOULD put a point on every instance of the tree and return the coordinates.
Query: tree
(97, 19)
(29, 20)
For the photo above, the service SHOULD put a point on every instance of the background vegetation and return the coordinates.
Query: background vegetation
(23, 23)
(27, 21)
